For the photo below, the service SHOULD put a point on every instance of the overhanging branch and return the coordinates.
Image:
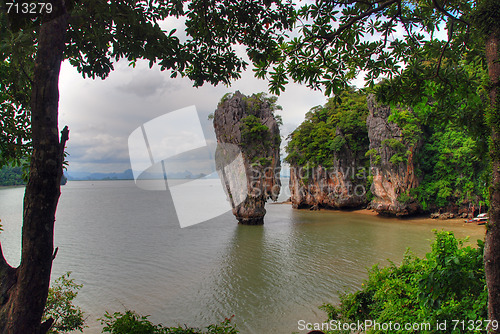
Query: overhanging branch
(7, 279)
(442, 10)
(361, 16)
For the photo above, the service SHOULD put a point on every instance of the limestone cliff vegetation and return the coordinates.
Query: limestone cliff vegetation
(247, 126)
(400, 160)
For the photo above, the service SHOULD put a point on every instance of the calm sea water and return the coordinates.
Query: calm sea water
(125, 246)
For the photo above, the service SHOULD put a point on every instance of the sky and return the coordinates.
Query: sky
(101, 114)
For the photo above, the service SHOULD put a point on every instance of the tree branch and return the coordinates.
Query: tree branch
(440, 60)
(7, 278)
(442, 10)
(389, 25)
(46, 325)
(64, 139)
(3, 263)
(355, 19)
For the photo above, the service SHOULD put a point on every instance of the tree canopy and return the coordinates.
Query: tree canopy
(339, 39)
(99, 33)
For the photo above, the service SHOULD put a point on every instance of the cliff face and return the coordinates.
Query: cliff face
(341, 186)
(247, 156)
(325, 188)
(327, 155)
(354, 143)
(344, 184)
(392, 178)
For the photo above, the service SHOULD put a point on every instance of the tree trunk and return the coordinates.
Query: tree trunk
(492, 241)
(24, 289)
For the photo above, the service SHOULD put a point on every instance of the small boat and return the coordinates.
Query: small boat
(481, 219)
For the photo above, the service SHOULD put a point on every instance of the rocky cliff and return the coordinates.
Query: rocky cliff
(392, 163)
(325, 188)
(247, 156)
(341, 186)
(353, 143)
(326, 154)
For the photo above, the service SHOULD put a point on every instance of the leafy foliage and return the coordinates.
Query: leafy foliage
(103, 32)
(340, 38)
(453, 168)
(132, 323)
(67, 317)
(329, 129)
(17, 54)
(11, 176)
(447, 284)
(256, 138)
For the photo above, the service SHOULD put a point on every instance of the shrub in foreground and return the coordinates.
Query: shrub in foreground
(67, 316)
(133, 323)
(448, 284)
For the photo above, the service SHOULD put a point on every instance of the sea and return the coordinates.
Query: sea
(125, 246)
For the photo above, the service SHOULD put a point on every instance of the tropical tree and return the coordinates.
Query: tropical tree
(400, 40)
(37, 36)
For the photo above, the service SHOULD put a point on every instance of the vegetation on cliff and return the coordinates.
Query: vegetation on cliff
(11, 175)
(454, 169)
(257, 138)
(328, 129)
(449, 155)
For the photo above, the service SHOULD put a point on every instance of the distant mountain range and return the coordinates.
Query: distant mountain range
(81, 176)
(127, 175)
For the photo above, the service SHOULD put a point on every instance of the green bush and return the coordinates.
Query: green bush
(67, 317)
(11, 175)
(453, 169)
(132, 323)
(447, 284)
(252, 131)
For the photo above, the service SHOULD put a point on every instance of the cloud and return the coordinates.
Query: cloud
(100, 148)
(144, 84)
(101, 114)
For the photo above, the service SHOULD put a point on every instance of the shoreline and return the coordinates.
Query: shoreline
(13, 186)
(369, 212)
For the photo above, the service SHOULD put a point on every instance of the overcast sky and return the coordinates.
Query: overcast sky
(101, 114)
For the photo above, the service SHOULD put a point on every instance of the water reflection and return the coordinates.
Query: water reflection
(281, 272)
(124, 246)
